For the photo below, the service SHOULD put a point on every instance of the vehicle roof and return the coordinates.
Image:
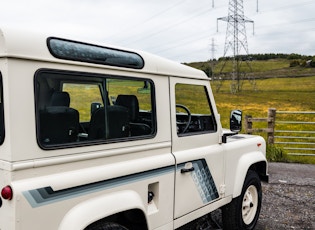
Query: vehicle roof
(18, 43)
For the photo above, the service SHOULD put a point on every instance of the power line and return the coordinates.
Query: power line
(287, 23)
(164, 11)
(204, 10)
(169, 27)
(190, 39)
(292, 6)
(151, 17)
(184, 40)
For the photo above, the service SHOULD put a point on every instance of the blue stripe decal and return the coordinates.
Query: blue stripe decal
(44, 196)
(203, 181)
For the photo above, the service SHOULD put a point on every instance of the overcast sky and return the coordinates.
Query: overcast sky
(180, 30)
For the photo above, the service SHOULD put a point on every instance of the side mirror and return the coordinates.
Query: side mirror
(95, 106)
(236, 121)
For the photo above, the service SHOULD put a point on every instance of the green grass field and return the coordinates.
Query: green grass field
(257, 66)
(264, 68)
(283, 94)
(286, 94)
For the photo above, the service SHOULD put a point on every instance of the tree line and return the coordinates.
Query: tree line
(268, 56)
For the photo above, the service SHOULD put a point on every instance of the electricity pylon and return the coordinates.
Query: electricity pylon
(212, 61)
(212, 64)
(235, 40)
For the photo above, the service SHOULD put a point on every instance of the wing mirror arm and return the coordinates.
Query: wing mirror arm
(225, 135)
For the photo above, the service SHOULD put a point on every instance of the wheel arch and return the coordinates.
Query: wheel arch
(252, 161)
(101, 207)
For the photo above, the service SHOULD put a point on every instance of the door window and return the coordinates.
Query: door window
(193, 110)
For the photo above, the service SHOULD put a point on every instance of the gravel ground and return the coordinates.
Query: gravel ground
(288, 200)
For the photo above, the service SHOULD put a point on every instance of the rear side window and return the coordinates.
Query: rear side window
(1, 112)
(77, 109)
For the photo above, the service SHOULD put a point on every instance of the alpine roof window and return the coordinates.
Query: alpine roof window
(77, 51)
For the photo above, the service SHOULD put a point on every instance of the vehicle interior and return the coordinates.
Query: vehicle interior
(75, 108)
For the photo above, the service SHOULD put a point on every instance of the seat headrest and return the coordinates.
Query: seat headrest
(131, 102)
(60, 99)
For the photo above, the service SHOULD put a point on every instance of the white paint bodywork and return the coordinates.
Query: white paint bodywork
(135, 166)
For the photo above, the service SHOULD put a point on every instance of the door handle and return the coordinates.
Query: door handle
(184, 170)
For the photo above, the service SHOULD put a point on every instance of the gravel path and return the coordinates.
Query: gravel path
(288, 200)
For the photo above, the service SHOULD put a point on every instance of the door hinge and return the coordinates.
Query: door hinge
(222, 189)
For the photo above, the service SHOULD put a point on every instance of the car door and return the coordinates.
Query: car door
(195, 145)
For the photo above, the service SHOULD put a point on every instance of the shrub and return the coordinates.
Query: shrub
(275, 154)
(294, 63)
(303, 63)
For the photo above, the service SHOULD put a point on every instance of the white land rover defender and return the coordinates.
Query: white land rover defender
(96, 137)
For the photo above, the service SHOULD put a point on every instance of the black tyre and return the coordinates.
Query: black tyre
(106, 226)
(243, 211)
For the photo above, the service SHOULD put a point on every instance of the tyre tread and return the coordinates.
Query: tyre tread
(231, 213)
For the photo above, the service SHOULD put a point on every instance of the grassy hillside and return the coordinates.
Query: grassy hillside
(259, 69)
(277, 85)
(284, 94)
(293, 94)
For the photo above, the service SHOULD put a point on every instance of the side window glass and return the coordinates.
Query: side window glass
(193, 110)
(1, 112)
(135, 96)
(85, 98)
(72, 109)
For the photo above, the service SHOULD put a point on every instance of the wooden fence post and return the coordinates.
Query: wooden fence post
(248, 124)
(271, 125)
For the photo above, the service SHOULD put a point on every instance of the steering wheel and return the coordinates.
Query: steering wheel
(186, 123)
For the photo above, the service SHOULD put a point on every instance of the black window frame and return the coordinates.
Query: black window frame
(2, 125)
(85, 76)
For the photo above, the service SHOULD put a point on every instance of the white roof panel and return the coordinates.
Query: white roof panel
(33, 46)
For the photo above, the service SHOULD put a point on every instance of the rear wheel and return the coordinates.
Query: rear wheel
(243, 211)
(107, 226)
